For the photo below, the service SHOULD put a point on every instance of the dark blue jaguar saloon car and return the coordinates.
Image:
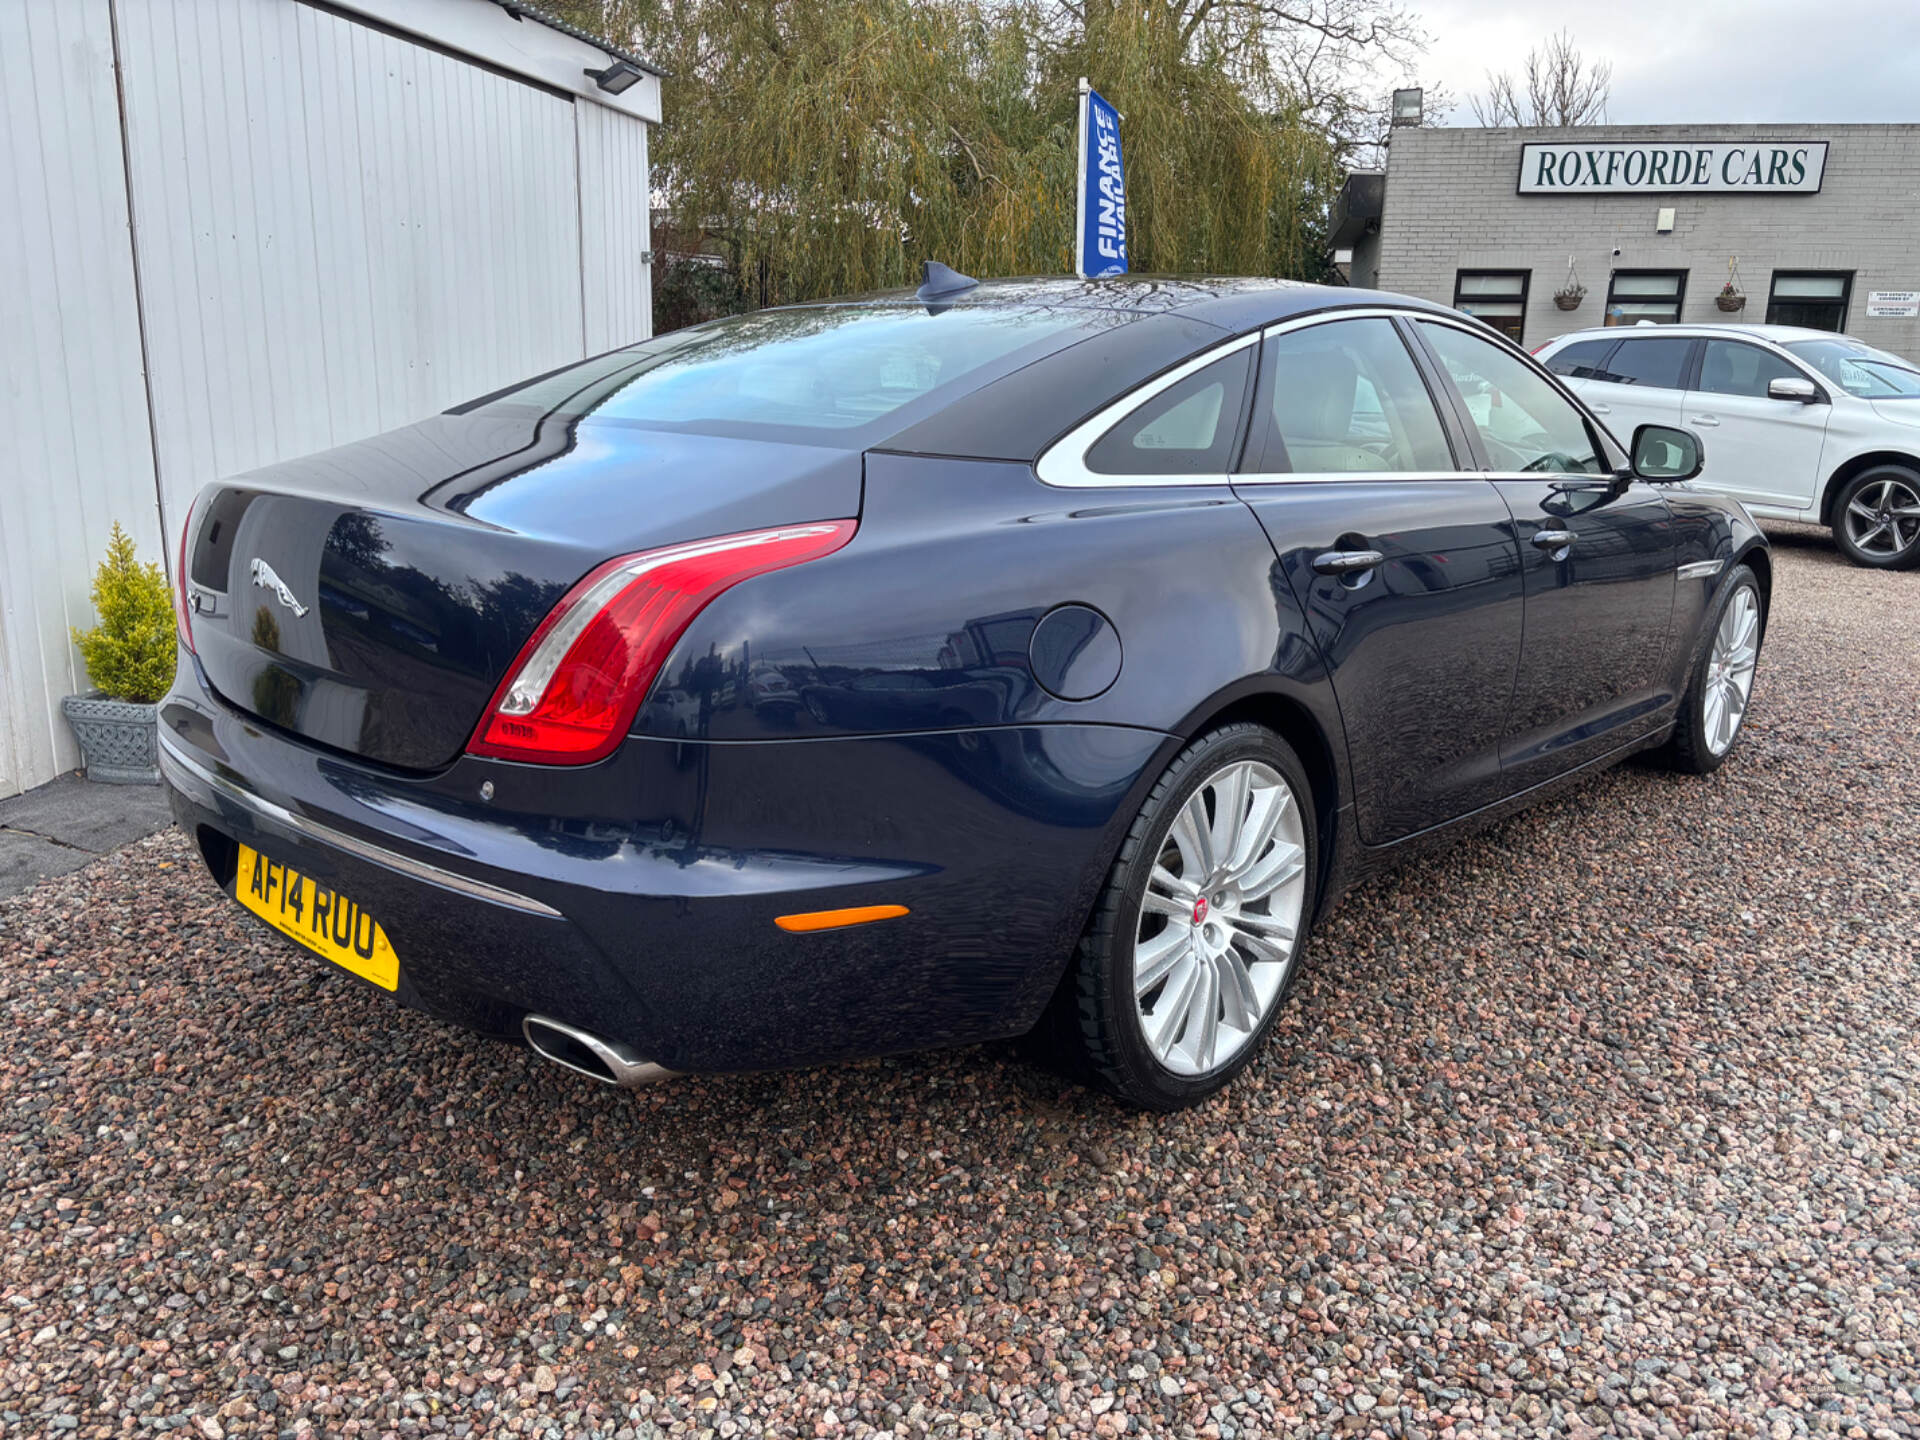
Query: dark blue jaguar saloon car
(1032, 657)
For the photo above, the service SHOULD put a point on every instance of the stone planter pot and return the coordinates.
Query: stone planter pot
(1730, 303)
(120, 739)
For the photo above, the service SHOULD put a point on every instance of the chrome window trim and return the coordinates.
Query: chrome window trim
(1063, 464)
(1342, 477)
(278, 816)
(1591, 477)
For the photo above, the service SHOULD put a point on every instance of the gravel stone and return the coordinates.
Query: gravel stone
(1603, 1122)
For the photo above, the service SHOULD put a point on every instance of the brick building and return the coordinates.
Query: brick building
(1822, 222)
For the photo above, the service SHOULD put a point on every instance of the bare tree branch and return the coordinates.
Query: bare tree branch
(1562, 89)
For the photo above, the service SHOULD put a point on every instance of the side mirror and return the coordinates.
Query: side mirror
(1661, 452)
(1793, 387)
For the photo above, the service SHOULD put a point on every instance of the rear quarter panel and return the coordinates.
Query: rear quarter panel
(923, 621)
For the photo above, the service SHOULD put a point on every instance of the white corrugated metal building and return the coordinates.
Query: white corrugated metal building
(235, 231)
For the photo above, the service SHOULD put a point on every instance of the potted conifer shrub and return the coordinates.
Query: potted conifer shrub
(130, 655)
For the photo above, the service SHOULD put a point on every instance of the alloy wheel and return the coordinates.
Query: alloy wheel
(1884, 519)
(1729, 679)
(1220, 920)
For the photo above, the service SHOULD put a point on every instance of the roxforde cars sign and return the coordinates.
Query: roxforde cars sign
(1745, 167)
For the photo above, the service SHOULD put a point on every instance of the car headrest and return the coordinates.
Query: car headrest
(1313, 395)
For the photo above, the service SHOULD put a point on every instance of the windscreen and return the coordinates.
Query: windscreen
(818, 373)
(1860, 369)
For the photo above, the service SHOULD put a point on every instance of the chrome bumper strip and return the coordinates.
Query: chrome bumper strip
(176, 763)
(1700, 569)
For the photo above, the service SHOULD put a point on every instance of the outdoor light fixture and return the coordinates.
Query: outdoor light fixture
(1406, 107)
(620, 76)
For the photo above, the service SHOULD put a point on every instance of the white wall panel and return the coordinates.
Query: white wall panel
(615, 228)
(74, 452)
(340, 230)
(335, 231)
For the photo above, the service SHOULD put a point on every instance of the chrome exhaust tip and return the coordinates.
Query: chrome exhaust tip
(585, 1053)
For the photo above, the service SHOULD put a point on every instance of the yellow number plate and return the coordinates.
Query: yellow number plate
(322, 920)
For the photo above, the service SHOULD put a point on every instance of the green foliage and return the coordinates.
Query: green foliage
(130, 652)
(828, 148)
(687, 291)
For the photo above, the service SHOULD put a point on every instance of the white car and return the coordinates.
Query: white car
(1796, 424)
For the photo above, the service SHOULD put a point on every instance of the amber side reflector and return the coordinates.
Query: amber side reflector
(835, 919)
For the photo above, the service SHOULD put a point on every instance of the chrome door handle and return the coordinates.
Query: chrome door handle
(1346, 562)
(1553, 539)
(1706, 420)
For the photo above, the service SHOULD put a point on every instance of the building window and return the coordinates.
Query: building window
(1816, 299)
(1498, 297)
(1654, 295)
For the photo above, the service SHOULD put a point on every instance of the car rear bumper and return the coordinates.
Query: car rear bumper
(637, 899)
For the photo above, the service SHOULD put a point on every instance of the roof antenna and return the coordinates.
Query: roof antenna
(937, 282)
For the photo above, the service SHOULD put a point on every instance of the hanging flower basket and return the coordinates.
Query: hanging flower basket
(1730, 299)
(1569, 295)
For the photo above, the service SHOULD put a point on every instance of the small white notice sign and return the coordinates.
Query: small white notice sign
(1893, 304)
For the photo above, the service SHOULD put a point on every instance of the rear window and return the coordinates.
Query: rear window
(821, 373)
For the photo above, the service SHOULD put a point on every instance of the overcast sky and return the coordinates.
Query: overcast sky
(1703, 61)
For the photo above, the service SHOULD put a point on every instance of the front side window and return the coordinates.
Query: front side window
(1498, 297)
(1731, 368)
(1346, 398)
(1524, 423)
(1649, 295)
(1656, 364)
(1813, 299)
(1187, 429)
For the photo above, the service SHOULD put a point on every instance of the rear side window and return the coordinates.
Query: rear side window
(1187, 429)
(1581, 360)
(1656, 364)
(1345, 398)
(1731, 368)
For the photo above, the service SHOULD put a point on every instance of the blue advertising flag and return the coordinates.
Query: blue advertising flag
(1100, 237)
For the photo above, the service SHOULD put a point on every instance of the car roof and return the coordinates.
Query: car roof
(1779, 334)
(1233, 303)
(1166, 320)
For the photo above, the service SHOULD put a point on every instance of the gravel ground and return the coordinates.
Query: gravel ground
(1604, 1120)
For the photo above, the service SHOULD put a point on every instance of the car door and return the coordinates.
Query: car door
(1402, 559)
(1642, 381)
(1597, 562)
(1757, 449)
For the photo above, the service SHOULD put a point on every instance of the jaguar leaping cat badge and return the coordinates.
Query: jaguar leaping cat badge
(263, 575)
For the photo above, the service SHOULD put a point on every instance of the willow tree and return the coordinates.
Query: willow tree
(831, 146)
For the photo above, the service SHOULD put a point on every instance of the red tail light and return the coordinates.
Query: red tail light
(571, 695)
(182, 605)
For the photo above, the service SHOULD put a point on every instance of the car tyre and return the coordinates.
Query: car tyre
(1238, 969)
(1876, 518)
(1714, 709)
